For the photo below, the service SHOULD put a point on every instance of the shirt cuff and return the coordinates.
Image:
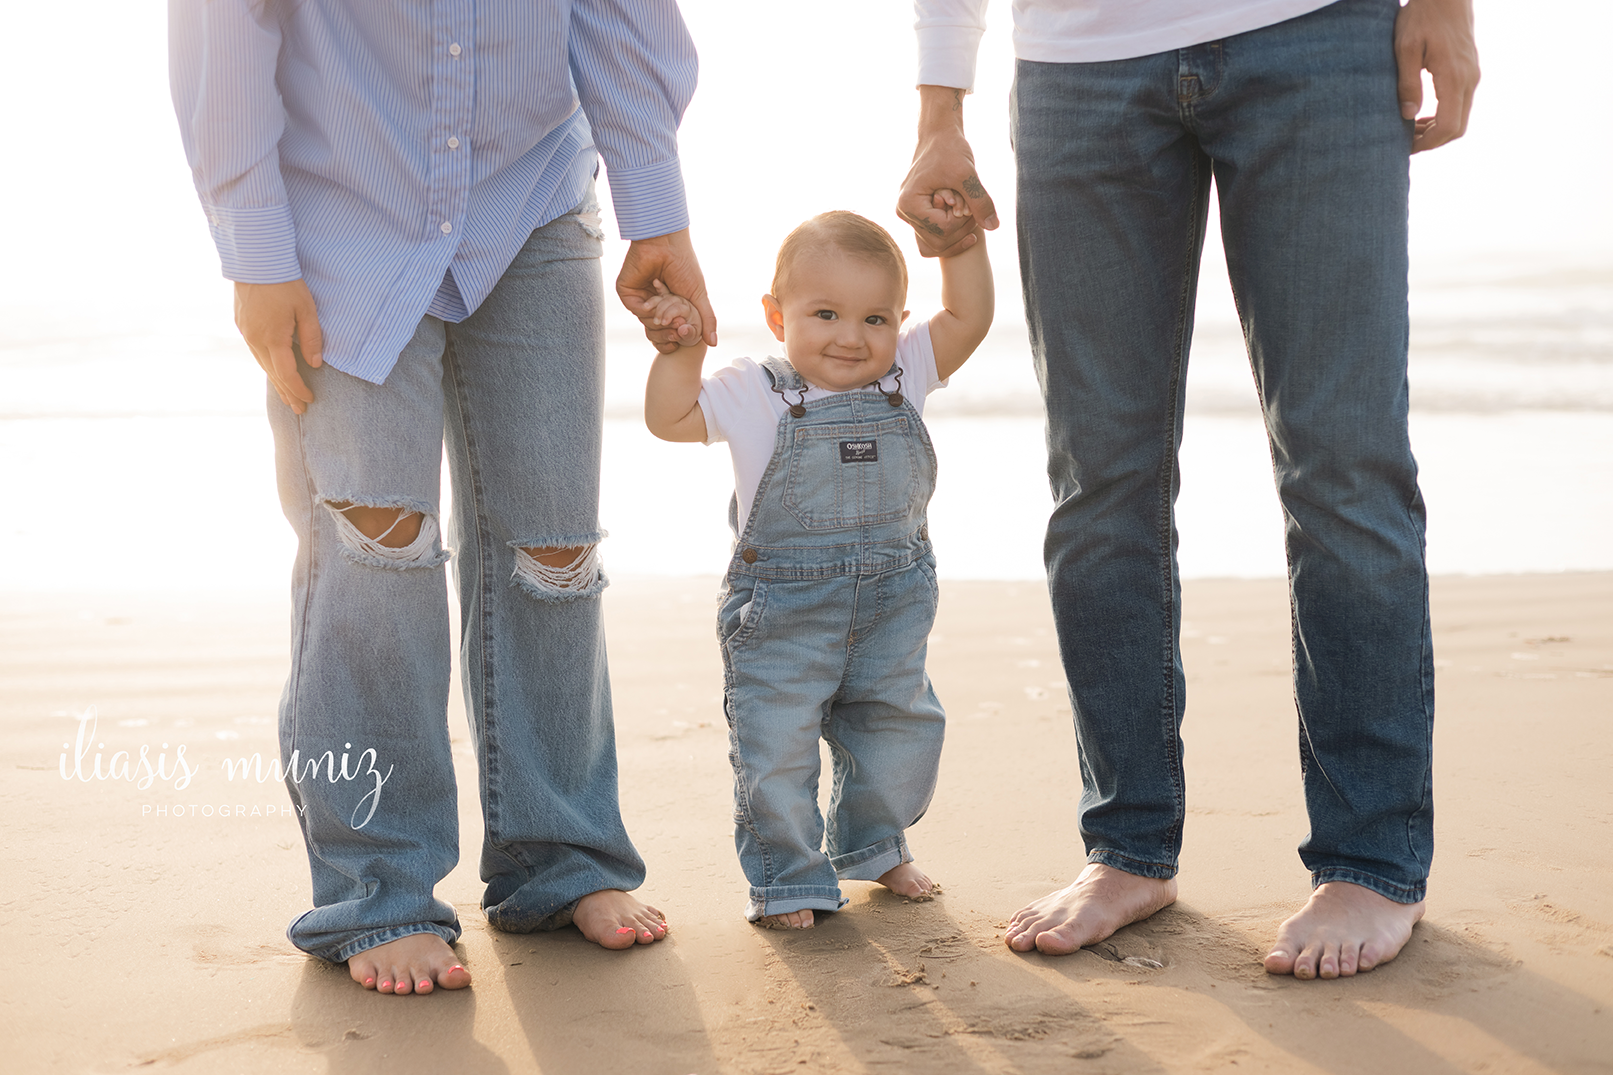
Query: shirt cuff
(648, 201)
(255, 246)
(947, 55)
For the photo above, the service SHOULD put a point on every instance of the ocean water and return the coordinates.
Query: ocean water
(122, 473)
(134, 454)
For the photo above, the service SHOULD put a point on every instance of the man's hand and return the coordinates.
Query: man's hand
(671, 260)
(277, 321)
(1437, 35)
(943, 161)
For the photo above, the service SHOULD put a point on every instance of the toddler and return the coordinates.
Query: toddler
(830, 593)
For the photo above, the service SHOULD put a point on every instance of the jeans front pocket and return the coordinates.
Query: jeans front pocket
(740, 612)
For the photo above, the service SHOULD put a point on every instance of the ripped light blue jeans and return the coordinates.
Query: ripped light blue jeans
(517, 392)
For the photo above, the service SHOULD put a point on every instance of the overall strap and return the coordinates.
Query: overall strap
(782, 378)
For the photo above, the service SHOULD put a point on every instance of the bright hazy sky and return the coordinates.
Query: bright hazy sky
(801, 107)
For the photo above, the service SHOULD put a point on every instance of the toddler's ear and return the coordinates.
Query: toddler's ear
(774, 313)
(904, 315)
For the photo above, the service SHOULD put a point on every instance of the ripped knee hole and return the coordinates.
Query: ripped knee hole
(392, 534)
(554, 569)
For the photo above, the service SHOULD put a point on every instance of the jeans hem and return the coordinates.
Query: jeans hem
(1414, 893)
(1159, 871)
(761, 906)
(872, 863)
(365, 941)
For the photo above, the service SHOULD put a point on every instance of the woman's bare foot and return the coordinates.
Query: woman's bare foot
(910, 881)
(1100, 901)
(613, 919)
(1343, 928)
(418, 963)
(792, 920)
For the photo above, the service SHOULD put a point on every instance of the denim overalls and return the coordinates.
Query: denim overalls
(824, 623)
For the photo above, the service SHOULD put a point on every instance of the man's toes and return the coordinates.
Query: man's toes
(1305, 963)
(1056, 942)
(1279, 961)
(1349, 959)
(1328, 965)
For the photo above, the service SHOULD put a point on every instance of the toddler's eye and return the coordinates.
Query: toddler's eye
(874, 319)
(825, 315)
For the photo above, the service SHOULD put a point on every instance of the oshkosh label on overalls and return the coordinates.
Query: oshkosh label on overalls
(859, 451)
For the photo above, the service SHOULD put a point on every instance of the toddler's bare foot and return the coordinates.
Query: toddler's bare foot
(613, 919)
(910, 881)
(1100, 901)
(1343, 928)
(418, 963)
(792, 920)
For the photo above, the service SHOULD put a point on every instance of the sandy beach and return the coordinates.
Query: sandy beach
(147, 924)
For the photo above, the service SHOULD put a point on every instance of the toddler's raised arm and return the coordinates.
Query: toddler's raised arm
(672, 392)
(968, 298)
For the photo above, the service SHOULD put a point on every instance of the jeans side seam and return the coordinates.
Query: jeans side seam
(488, 755)
(295, 690)
(746, 817)
(1424, 674)
(1170, 729)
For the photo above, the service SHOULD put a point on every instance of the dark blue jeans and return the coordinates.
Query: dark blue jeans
(1299, 125)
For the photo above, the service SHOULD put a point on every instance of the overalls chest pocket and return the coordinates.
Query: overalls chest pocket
(855, 474)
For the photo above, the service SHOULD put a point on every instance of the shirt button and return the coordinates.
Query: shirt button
(454, 49)
(447, 227)
(453, 143)
(749, 556)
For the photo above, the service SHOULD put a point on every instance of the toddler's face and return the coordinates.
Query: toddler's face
(839, 319)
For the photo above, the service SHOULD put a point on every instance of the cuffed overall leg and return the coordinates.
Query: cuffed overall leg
(1300, 124)
(841, 657)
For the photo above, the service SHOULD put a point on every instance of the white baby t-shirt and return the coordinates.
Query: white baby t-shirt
(740, 406)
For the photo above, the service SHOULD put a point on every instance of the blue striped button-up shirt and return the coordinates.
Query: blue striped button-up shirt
(396, 155)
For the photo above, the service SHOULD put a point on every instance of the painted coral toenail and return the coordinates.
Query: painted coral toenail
(423, 983)
(625, 929)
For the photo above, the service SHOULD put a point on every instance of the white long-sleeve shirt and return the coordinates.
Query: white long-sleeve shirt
(1083, 31)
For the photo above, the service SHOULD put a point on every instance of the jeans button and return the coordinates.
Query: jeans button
(749, 556)
(924, 533)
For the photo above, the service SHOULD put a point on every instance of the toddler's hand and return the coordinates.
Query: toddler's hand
(951, 203)
(668, 310)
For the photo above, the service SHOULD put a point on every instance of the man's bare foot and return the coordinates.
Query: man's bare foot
(910, 881)
(1102, 900)
(418, 963)
(1343, 928)
(613, 919)
(792, 920)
